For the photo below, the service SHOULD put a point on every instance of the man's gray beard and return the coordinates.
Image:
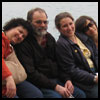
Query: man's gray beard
(41, 33)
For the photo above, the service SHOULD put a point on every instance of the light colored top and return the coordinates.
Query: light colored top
(86, 52)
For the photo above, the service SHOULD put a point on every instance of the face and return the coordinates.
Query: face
(67, 27)
(40, 23)
(17, 34)
(90, 28)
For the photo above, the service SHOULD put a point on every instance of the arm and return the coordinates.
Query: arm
(95, 52)
(10, 84)
(5, 70)
(7, 76)
(11, 87)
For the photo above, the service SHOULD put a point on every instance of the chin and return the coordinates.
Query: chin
(42, 33)
(15, 42)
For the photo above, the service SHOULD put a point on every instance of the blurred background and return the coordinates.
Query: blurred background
(19, 9)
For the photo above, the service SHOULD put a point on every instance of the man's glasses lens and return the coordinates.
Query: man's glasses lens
(40, 22)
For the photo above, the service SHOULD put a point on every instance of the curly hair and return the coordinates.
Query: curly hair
(15, 22)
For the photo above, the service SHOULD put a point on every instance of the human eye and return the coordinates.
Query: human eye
(20, 31)
(64, 26)
(70, 23)
(38, 21)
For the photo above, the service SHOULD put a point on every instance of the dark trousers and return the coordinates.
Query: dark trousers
(48, 93)
(28, 90)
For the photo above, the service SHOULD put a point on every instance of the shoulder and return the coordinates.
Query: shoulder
(62, 41)
(5, 45)
(5, 39)
(85, 39)
(62, 44)
(50, 36)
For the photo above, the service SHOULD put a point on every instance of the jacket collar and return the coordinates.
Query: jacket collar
(63, 36)
(82, 36)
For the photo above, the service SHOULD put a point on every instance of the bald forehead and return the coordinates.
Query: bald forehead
(39, 14)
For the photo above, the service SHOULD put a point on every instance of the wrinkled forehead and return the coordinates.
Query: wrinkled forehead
(38, 15)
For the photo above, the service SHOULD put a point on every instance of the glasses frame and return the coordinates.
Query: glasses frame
(40, 22)
(86, 28)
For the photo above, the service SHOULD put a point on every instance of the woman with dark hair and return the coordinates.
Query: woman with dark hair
(14, 32)
(76, 57)
(86, 25)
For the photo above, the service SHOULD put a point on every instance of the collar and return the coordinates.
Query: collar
(82, 36)
(63, 36)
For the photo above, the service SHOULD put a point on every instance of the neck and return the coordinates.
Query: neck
(73, 38)
(39, 39)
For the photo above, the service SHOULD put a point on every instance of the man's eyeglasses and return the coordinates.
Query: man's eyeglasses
(86, 28)
(40, 22)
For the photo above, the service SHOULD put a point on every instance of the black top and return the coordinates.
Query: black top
(73, 63)
(38, 62)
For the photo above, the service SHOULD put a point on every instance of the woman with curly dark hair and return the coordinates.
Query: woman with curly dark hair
(14, 32)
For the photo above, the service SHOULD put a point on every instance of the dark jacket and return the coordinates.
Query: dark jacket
(39, 62)
(72, 62)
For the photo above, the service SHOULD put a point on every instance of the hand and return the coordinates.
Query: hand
(69, 86)
(11, 87)
(62, 91)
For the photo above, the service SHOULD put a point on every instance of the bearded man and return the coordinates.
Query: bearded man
(37, 54)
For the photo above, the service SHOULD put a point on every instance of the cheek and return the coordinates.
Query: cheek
(89, 33)
(13, 40)
(73, 27)
(36, 25)
(63, 30)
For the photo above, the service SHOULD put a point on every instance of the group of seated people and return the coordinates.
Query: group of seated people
(66, 68)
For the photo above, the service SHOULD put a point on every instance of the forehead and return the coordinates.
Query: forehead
(22, 29)
(65, 20)
(39, 15)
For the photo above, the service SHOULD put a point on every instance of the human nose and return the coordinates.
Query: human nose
(43, 24)
(69, 27)
(20, 36)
